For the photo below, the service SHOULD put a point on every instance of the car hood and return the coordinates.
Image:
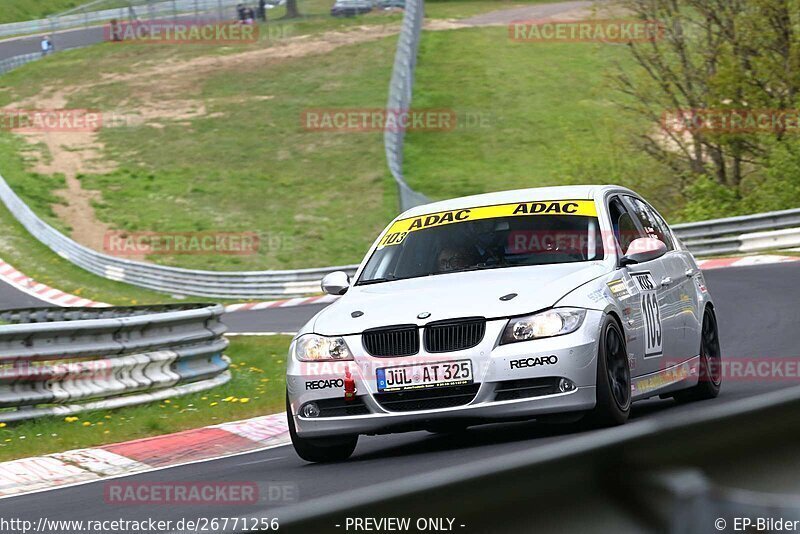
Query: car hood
(450, 296)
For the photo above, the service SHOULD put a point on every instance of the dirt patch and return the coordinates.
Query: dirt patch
(70, 153)
(152, 104)
(575, 10)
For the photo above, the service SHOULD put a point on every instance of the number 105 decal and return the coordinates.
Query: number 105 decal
(651, 314)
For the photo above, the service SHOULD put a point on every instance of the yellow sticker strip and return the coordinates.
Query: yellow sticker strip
(400, 229)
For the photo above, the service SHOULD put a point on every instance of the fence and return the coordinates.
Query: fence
(400, 94)
(58, 361)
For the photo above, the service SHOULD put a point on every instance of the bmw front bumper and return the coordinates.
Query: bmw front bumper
(496, 369)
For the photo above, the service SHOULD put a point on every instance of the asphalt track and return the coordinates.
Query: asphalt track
(758, 316)
(62, 40)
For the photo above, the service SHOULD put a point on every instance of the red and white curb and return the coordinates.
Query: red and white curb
(744, 261)
(302, 301)
(13, 277)
(40, 473)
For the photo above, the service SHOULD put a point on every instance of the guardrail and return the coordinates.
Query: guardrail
(641, 477)
(213, 284)
(746, 233)
(18, 61)
(59, 361)
(399, 101)
(81, 16)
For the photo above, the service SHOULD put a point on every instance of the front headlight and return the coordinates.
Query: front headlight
(314, 348)
(555, 322)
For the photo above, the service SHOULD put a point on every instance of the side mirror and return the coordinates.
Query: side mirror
(336, 283)
(643, 249)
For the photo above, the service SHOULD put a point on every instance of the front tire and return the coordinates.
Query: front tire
(710, 381)
(613, 383)
(320, 450)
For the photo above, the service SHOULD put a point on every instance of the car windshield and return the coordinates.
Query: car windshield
(432, 247)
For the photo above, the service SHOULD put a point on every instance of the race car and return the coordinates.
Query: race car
(558, 303)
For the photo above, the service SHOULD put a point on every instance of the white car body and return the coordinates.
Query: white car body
(514, 380)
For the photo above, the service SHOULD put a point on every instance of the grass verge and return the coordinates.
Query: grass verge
(541, 114)
(22, 10)
(256, 388)
(222, 149)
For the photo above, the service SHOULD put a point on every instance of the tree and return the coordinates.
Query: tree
(722, 60)
(292, 11)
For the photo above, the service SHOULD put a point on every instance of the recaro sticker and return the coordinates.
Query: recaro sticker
(400, 229)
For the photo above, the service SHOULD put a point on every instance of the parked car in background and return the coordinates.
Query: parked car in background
(351, 8)
(389, 4)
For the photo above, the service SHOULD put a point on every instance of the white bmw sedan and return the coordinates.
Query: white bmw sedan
(552, 303)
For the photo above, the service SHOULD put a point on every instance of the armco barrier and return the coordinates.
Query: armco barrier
(400, 93)
(58, 361)
(746, 233)
(93, 13)
(18, 61)
(213, 284)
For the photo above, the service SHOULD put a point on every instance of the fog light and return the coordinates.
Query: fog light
(310, 410)
(565, 385)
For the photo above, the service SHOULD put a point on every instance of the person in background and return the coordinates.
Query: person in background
(47, 45)
(241, 12)
(116, 35)
(250, 15)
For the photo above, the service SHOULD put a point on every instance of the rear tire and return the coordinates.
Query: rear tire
(320, 450)
(710, 380)
(613, 383)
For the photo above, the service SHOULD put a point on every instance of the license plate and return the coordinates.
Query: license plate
(423, 376)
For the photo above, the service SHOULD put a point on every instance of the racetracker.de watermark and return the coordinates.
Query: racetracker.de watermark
(181, 32)
(751, 369)
(120, 243)
(590, 31)
(26, 371)
(394, 120)
(728, 121)
(50, 120)
(179, 493)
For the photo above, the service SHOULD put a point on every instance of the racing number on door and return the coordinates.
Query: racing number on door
(651, 314)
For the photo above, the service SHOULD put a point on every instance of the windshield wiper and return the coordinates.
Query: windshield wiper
(374, 281)
(478, 267)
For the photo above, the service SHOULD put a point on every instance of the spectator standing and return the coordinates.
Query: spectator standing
(47, 45)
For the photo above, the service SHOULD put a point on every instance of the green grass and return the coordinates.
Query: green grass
(547, 112)
(460, 9)
(258, 368)
(22, 10)
(246, 166)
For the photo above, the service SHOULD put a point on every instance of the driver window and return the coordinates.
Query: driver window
(625, 230)
(654, 226)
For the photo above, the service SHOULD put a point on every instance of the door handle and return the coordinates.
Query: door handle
(666, 281)
(690, 273)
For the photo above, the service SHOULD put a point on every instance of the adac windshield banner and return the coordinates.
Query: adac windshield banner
(400, 229)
